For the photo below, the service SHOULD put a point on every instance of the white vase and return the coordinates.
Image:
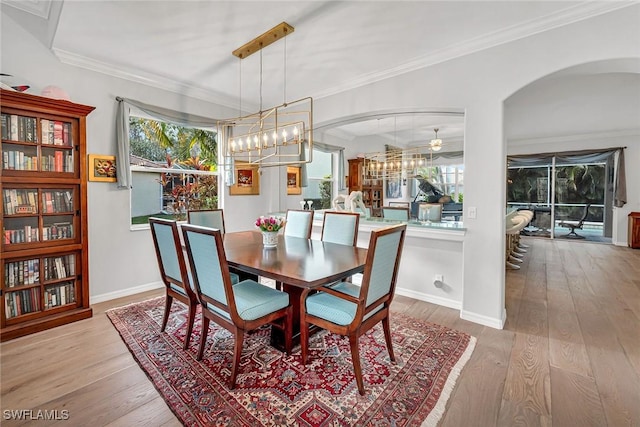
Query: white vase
(269, 239)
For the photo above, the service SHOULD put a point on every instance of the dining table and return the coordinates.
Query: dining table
(297, 263)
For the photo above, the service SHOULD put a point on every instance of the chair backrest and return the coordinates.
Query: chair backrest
(399, 204)
(340, 227)
(585, 214)
(169, 253)
(209, 268)
(298, 223)
(212, 218)
(398, 214)
(383, 261)
(366, 212)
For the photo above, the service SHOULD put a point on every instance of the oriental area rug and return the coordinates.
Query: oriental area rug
(273, 389)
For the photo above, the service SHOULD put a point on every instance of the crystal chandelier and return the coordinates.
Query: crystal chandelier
(277, 136)
(436, 143)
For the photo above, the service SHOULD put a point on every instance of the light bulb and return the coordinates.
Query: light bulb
(284, 136)
(275, 138)
(265, 140)
(296, 136)
(256, 141)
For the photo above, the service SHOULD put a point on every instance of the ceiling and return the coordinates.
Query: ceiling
(185, 46)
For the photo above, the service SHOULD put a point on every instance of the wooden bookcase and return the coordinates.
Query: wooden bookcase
(43, 182)
(634, 230)
(372, 189)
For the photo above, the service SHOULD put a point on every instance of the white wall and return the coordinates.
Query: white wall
(122, 260)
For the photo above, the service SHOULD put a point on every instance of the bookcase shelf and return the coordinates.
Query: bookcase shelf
(372, 189)
(44, 264)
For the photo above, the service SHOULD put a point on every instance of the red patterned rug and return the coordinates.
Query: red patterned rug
(277, 390)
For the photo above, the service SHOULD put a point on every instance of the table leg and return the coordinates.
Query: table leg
(277, 335)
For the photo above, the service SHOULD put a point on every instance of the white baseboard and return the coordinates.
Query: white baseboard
(446, 302)
(484, 320)
(125, 292)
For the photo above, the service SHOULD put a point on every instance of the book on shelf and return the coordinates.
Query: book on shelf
(4, 125)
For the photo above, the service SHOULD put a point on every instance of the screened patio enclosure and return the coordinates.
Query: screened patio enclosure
(564, 189)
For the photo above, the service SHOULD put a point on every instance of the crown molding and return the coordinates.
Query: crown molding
(515, 32)
(38, 8)
(149, 79)
(558, 19)
(600, 135)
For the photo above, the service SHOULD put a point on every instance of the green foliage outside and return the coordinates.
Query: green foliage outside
(180, 148)
(325, 193)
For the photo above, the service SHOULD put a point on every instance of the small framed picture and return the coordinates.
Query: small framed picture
(293, 180)
(247, 180)
(102, 168)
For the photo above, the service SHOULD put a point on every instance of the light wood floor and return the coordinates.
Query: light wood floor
(569, 354)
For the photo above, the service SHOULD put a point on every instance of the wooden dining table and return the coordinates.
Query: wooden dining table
(297, 263)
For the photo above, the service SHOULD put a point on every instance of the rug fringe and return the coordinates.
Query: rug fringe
(133, 303)
(438, 410)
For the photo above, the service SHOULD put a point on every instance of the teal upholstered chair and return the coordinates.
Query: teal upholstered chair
(395, 213)
(173, 271)
(340, 227)
(238, 308)
(298, 223)
(212, 218)
(351, 310)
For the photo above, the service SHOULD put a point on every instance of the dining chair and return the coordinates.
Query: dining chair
(212, 218)
(340, 227)
(395, 213)
(173, 271)
(399, 204)
(238, 308)
(298, 223)
(350, 310)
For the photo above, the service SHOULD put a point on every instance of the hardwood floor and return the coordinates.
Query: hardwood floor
(569, 354)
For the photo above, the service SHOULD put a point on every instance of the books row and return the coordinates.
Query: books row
(58, 295)
(27, 272)
(29, 234)
(25, 129)
(56, 201)
(19, 201)
(59, 161)
(19, 273)
(21, 302)
(59, 267)
(55, 132)
(19, 128)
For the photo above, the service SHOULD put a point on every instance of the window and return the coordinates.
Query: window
(320, 181)
(173, 169)
(449, 179)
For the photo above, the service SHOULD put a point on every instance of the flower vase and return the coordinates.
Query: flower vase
(269, 239)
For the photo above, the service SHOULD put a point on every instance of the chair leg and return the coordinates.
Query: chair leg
(288, 330)
(304, 340)
(203, 336)
(237, 353)
(387, 337)
(167, 309)
(357, 369)
(190, 321)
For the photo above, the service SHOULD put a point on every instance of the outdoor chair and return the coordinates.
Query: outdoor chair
(173, 271)
(238, 308)
(352, 310)
(573, 225)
